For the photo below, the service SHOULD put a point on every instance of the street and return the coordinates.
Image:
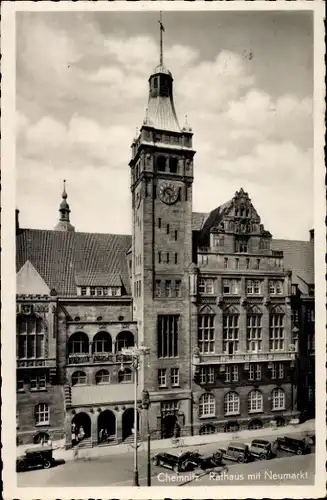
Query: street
(118, 470)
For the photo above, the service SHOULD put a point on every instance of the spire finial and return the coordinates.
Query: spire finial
(162, 29)
(64, 194)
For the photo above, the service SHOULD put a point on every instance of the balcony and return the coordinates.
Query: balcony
(36, 363)
(247, 357)
(101, 357)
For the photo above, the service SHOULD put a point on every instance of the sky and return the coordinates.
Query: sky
(244, 80)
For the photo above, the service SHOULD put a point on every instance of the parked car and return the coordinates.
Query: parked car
(261, 448)
(177, 463)
(300, 446)
(34, 457)
(212, 460)
(238, 452)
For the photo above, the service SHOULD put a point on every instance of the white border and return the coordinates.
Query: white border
(8, 256)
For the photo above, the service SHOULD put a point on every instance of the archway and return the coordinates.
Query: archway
(41, 438)
(81, 425)
(106, 427)
(232, 427)
(280, 421)
(128, 422)
(124, 340)
(207, 429)
(168, 423)
(255, 424)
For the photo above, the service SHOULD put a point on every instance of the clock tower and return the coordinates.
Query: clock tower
(161, 184)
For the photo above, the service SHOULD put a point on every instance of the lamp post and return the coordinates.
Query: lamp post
(135, 353)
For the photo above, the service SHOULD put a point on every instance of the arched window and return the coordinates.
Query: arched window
(232, 403)
(278, 399)
(30, 337)
(78, 343)
(42, 413)
(207, 406)
(124, 340)
(79, 378)
(125, 376)
(102, 343)
(255, 401)
(207, 429)
(102, 377)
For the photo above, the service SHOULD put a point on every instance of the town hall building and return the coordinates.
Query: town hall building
(225, 311)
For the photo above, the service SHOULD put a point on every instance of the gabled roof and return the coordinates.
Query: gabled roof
(198, 219)
(60, 257)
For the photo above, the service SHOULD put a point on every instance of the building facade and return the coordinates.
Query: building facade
(225, 311)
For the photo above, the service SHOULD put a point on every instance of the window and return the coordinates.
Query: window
(42, 413)
(170, 407)
(125, 376)
(232, 403)
(174, 375)
(247, 263)
(277, 370)
(30, 337)
(92, 290)
(254, 333)
(278, 399)
(78, 344)
(203, 259)
(83, 290)
(167, 335)
(255, 402)
(206, 333)
(241, 245)
(237, 263)
(207, 406)
(230, 333)
(218, 240)
(276, 287)
(178, 288)
(276, 332)
(294, 289)
(20, 384)
(207, 375)
(159, 222)
(168, 228)
(162, 382)
(226, 263)
(158, 288)
(176, 235)
(176, 258)
(206, 286)
(168, 288)
(258, 264)
(167, 258)
(231, 373)
(102, 343)
(79, 378)
(173, 162)
(255, 371)
(99, 291)
(38, 382)
(253, 287)
(159, 257)
(207, 429)
(161, 163)
(231, 287)
(102, 377)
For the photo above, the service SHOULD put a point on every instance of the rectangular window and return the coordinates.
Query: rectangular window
(167, 335)
(206, 286)
(231, 287)
(92, 290)
(276, 332)
(203, 259)
(159, 223)
(241, 245)
(178, 288)
(226, 263)
(162, 382)
(206, 333)
(253, 287)
(20, 385)
(277, 370)
(218, 240)
(174, 375)
(255, 371)
(276, 287)
(258, 264)
(38, 382)
(168, 288)
(176, 258)
(83, 290)
(254, 333)
(42, 413)
(168, 228)
(231, 373)
(176, 235)
(237, 263)
(159, 257)
(207, 375)
(105, 289)
(247, 263)
(230, 333)
(167, 258)
(158, 288)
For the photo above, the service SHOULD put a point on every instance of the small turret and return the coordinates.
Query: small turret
(64, 211)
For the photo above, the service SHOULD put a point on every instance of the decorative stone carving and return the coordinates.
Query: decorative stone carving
(46, 345)
(116, 408)
(219, 300)
(243, 301)
(41, 308)
(266, 301)
(26, 309)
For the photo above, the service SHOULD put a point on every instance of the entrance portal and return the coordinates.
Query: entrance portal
(168, 426)
(81, 426)
(106, 427)
(128, 422)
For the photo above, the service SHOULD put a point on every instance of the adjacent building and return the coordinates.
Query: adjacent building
(226, 311)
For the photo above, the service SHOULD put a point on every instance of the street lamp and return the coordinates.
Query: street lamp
(135, 353)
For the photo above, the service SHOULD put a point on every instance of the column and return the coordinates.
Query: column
(119, 426)
(68, 430)
(94, 427)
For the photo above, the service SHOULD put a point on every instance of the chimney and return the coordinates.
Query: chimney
(312, 234)
(17, 221)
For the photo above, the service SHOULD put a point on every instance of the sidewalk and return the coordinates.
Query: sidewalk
(60, 453)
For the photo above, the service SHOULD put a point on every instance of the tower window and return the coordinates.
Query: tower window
(167, 336)
(161, 163)
(159, 257)
(176, 258)
(155, 83)
(168, 228)
(168, 288)
(178, 288)
(159, 222)
(176, 235)
(173, 163)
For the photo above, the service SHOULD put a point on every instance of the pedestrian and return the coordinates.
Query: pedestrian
(106, 436)
(101, 436)
(49, 442)
(73, 439)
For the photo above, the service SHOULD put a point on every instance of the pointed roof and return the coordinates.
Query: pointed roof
(29, 282)
(64, 211)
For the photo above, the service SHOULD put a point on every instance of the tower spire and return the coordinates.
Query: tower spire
(64, 211)
(162, 29)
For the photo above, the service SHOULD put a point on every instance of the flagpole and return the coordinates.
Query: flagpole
(162, 29)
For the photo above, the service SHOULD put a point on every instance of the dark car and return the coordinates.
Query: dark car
(177, 463)
(211, 461)
(35, 457)
(261, 448)
(238, 452)
(300, 446)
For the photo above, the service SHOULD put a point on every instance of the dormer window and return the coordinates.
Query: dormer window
(99, 291)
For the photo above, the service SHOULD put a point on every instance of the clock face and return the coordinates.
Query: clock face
(168, 193)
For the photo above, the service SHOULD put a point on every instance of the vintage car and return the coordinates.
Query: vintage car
(210, 461)
(35, 457)
(239, 452)
(177, 463)
(300, 446)
(263, 449)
